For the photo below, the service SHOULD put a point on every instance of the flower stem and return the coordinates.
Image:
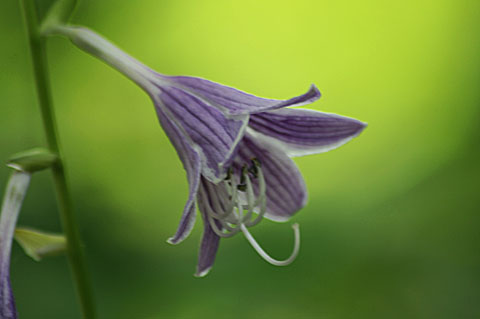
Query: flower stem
(74, 247)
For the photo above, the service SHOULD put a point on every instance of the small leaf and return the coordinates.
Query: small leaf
(32, 160)
(37, 244)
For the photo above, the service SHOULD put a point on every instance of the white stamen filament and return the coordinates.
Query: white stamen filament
(267, 257)
(224, 217)
(250, 200)
(217, 230)
(233, 193)
(262, 199)
(212, 222)
(217, 211)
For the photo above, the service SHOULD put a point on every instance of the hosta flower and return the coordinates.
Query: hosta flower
(236, 148)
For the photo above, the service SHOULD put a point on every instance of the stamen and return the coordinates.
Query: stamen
(262, 198)
(242, 186)
(250, 199)
(232, 192)
(217, 211)
(218, 231)
(244, 173)
(228, 186)
(212, 222)
(229, 174)
(267, 257)
(233, 220)
(253, 168)
(230, 214)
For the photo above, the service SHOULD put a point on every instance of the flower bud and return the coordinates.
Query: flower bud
(32, 160)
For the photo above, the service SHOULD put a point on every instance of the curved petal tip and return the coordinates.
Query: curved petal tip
(315, 92)
(202, 273)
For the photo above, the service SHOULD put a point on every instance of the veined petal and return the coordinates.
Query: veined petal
(285, 188)
(235, 102)
(191, 163)
(210, 240)
(205, 128)
(16, 190)
(301, 132)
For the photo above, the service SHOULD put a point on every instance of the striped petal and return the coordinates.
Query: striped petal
(285, 188)
(210, 240)
(191, 163)
(205, 128)
(234, 102)
(301, 132)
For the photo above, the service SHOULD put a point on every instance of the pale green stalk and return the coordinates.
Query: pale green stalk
(74, 247)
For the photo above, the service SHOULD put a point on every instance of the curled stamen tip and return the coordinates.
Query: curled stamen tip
(264, 255)
(296, 247)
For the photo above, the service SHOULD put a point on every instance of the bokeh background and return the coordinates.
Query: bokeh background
(391, 229)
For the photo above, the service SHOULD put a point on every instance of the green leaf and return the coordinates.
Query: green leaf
(37, 244)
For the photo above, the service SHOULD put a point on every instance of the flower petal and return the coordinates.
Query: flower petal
(285, 188)
(191, 163)
(301, 132)
(234, 102)
(205, 128)
(16, 190)
(210, 240)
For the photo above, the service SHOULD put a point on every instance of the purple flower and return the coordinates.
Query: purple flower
(236, 148)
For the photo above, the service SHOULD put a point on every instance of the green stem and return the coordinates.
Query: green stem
(74, 247)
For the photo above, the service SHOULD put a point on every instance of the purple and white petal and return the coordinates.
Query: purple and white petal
(301, 132)
(285, 188)
(192, 165)
(210, 240)
(205, 128)
(235, 102)
(16, 190)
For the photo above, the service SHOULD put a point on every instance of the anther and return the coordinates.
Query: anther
(253, 169)
(229, 174)
(250, 200)
(242, 186)
(256, 162)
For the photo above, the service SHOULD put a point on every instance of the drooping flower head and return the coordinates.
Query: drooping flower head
(236, 148)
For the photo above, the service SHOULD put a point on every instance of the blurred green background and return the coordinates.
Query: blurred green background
(391, 229)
